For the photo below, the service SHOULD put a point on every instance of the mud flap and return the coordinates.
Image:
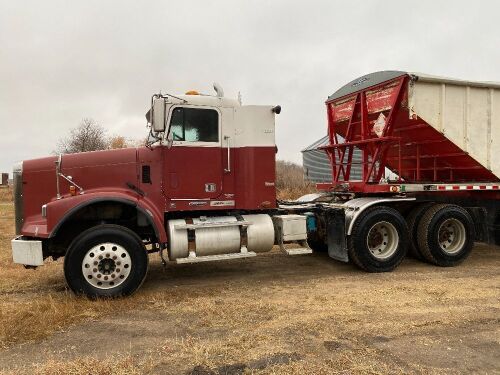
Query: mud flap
(336, 241)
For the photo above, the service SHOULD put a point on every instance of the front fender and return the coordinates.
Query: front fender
(58, 211)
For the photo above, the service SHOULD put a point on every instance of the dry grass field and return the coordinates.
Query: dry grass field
(268, 315)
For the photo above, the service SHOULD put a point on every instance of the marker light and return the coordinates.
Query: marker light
(72, 190)
(192, 92)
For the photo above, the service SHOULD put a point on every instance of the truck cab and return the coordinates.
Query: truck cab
(214, 149)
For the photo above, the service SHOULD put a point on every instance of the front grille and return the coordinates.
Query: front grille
(18, 196)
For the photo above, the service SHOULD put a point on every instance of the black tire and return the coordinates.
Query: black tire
(359, 250)
(413, 220)
(121, 247)
(430, 229)
(317, 245)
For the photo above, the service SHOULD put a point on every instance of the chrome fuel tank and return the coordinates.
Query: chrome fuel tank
(219, 235)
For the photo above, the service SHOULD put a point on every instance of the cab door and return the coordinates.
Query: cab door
(193, 168)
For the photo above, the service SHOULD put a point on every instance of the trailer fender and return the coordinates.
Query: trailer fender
(355, 207)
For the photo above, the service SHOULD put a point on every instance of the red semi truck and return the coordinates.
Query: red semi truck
(203, 187)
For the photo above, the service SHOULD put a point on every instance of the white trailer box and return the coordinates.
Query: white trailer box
(465, 112)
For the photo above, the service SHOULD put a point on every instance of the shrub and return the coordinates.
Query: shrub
(290, 181)
(6, 194)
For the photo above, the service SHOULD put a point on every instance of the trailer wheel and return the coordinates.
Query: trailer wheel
(106, 261)
(446, 235)
(379, 239)
(413, 220)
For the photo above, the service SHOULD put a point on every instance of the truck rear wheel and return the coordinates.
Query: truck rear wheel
(446, 235)
(378, 241)
(106, 261)
(413, 220)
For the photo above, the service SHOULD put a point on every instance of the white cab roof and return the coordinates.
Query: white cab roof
(208, 100)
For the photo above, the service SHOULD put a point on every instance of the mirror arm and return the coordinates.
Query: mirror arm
(155, 139)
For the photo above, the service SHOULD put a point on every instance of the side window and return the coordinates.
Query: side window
(177, 124)
(195, 125)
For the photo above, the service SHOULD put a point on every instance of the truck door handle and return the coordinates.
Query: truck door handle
(228, 143)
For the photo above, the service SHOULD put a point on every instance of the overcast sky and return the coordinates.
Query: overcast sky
(61, 61)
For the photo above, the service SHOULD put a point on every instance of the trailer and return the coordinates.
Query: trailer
(203, 187)
(438, 136)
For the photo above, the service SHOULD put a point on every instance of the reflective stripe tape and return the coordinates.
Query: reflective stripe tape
(440, 187)
(467, 187)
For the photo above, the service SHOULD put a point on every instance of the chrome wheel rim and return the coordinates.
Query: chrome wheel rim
(451, 236)
(382, 240)
(106, 265)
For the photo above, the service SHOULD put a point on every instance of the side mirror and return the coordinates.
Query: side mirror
(158, 115)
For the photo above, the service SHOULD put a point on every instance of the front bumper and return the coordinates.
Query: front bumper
(27, 252)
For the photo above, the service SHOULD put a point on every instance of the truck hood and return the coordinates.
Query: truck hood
(99, 158)
(93, 171)
(82, 159)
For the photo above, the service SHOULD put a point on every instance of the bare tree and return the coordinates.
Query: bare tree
(88, 136)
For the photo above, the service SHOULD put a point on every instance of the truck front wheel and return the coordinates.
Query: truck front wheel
(378, 240)
(106, 261)
(446, 235)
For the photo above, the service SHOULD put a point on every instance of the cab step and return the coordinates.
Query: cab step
(304, 249)
(297, 251)
(211, 258)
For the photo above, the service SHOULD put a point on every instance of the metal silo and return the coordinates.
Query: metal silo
(317, 167)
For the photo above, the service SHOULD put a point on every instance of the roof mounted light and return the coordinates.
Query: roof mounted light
(192, 92)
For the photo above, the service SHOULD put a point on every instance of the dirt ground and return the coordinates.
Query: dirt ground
(273, 314)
